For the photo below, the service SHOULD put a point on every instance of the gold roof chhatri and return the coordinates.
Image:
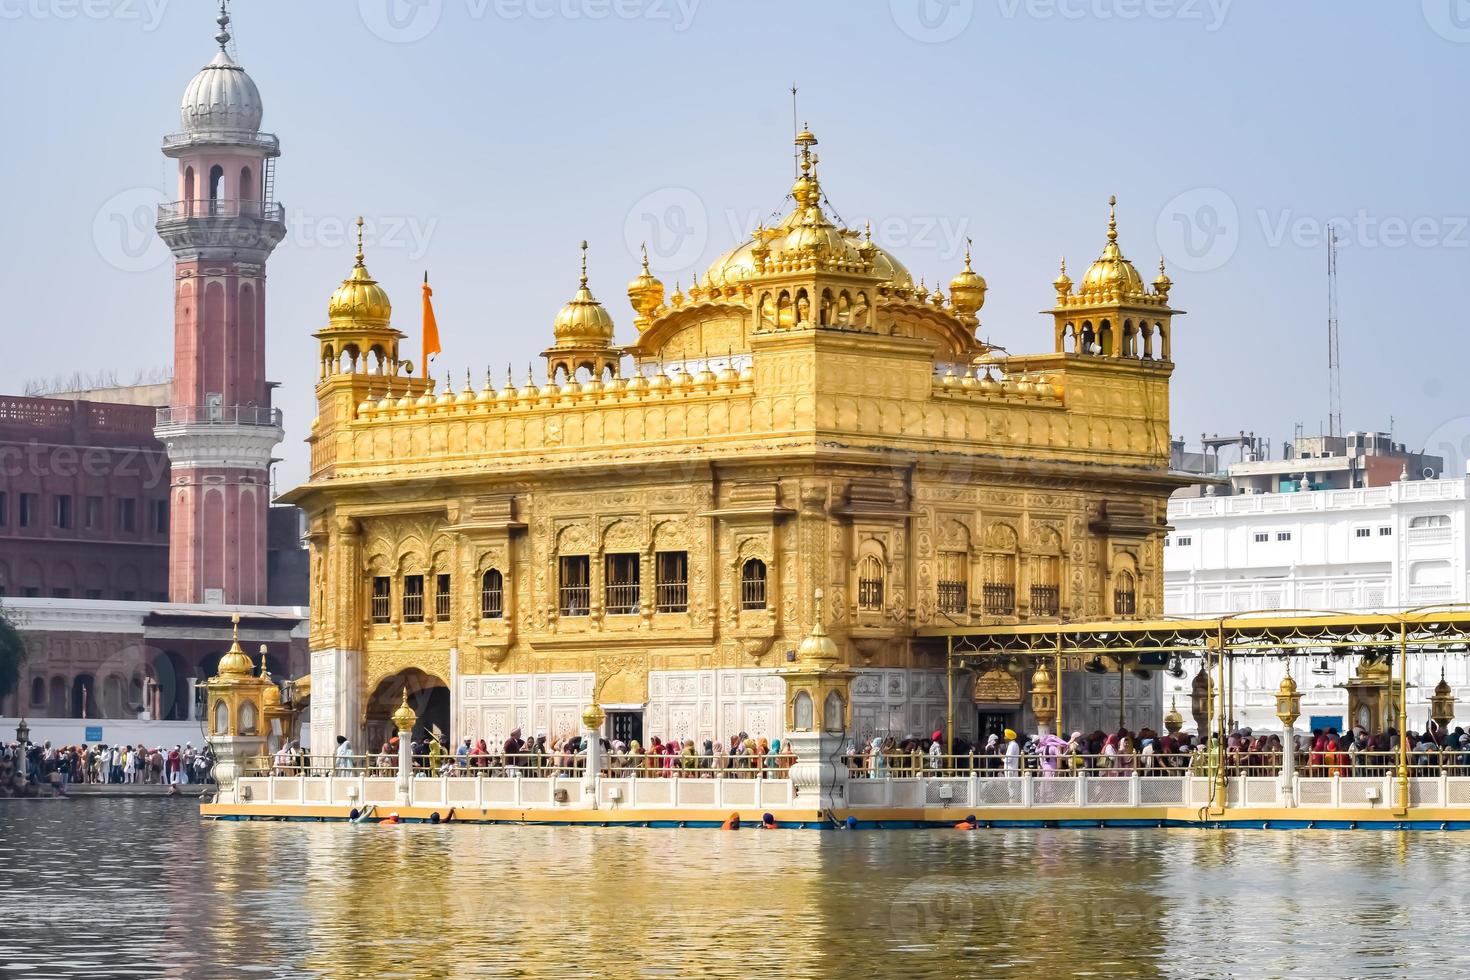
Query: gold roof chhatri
(360, 301)
(583, 322)
(403, 717)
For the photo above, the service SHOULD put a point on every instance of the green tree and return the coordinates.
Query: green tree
(12, 654)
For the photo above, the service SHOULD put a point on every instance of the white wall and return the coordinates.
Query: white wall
(69, 731)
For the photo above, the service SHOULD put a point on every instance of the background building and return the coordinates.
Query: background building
(1383, 544)
(135, 522)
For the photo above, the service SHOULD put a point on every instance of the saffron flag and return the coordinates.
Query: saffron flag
(431, 327)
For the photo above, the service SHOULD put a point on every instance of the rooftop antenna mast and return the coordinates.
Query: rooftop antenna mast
(795, 132)
(1334, 359)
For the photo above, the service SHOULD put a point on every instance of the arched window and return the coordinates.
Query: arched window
(492, 595)
(1046, 573)
(1431, 520)
(247, 185)
(188, 190)
(216, 186)
(801, 712)
(834, 711)
(247, 718)
(38, 692)
(753, 584)
(221, 718)
(1125, 594)
(870, 584)
(1000, 571)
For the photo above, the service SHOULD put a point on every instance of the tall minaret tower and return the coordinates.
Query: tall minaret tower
(220, 427)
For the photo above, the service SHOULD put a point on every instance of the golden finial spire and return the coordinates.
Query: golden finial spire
(968, 243)
(265, 670)
(584, 263)
(359, 242)
(1113, 218)
(644, 249)
(868, 230)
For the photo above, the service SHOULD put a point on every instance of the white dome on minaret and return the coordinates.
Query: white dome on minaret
(222, 98)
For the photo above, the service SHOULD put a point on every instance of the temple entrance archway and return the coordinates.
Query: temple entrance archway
(428, 696)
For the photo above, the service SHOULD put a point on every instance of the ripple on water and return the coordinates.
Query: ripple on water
(183, 898)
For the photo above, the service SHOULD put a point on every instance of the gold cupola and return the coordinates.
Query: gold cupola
(818, 647)
(1112, 272)
(236, 662)
(967, 291)
(584, 336)
(359, 337)
(403, 717)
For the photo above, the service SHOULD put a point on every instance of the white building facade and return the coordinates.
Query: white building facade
(1372, 549)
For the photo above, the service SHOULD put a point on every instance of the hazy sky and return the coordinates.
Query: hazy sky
(483, 139)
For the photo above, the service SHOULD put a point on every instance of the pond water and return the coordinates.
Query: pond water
(144, 888)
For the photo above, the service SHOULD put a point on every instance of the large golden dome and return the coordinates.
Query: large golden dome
(1112, 272)
(583, 321)
(808, 231)
(360, 298)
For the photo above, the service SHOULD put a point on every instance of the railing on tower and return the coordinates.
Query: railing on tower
(184, 210)
(219, 415)
(264, 141)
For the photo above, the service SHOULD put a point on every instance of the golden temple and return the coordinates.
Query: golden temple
(647, 528)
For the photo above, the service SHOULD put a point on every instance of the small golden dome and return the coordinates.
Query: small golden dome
(583, 322)
(1041, 680)
(1063, 282)
(1112, 272)
(646, 293)
(1173, 717)
(403, 718)
(1163, 283)
(1288, 686)
(360, 299)
(1442, 689)
(967, 290)
(235, 662)
(818, 647)
(593, 717)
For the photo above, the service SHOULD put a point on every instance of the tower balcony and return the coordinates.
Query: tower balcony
(177, 144)
(219, 415)
(223, 228)
(188, 210)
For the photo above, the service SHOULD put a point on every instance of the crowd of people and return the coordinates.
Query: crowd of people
(61, 765)
(740, 756)
(1324, 752)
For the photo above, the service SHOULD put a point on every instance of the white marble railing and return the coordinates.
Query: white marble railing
(482, 792)
(1084, 792)
(977, 793)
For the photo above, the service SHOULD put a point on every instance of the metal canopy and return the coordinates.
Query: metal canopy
(1278, 633)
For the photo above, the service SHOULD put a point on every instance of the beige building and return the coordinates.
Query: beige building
(648, 529)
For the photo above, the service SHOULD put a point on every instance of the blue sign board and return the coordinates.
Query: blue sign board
(1324, 722)
(94, 733)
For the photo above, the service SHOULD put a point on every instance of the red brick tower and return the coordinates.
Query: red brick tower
(220, 428)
